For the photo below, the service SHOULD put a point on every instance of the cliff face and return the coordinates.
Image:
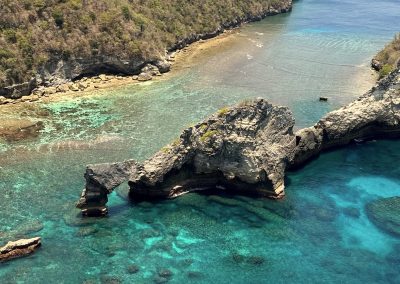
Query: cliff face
(51, 42)
(245, 149)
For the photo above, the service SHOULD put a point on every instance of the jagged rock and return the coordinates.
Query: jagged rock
(375, 114)
(50, 90)
(246, 149)
(163, 66)
(144, 77)
(82, 85)
(376, 64)
(101, 179)
(19, 248)
(385, 214)
(243, 148)
(150, 69)
(18, 90)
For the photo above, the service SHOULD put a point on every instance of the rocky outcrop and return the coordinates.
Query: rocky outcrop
(101, 179)
(376, 64)
(246, 149)
(18, 90)
(19, 248)
(376, 114)
(242, 149)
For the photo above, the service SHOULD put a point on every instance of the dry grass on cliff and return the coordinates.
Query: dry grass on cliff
(389, 57)
(34, 31)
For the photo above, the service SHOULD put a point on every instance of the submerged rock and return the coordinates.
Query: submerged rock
(385, 214)
(133, 269)
(19, 129)
(165, 273)
(19, 248)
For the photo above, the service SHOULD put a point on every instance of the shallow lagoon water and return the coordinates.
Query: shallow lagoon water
(318, 233)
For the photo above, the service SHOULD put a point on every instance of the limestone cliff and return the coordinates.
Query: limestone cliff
(245, 149)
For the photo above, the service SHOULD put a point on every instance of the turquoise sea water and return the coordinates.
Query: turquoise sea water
(318, 233)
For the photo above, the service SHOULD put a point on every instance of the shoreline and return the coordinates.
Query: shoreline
(50, 80)
(180, 61)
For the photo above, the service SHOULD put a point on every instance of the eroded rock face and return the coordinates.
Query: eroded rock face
(247, 148)
(19, 248)
(243, 148)
(376, 114)
(101, 179)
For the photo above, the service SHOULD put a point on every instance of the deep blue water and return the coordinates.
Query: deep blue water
(318, 234)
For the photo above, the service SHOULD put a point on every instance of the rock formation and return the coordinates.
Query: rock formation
(376, 114)
(242, 149)
(245, 149)
(19, 248)
(101, 179)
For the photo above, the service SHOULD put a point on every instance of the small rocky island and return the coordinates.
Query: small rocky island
(19, 248)
(245, 149)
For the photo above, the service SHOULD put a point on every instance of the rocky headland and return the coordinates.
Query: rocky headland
(245, 149)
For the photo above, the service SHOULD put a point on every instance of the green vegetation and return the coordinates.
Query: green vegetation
(223, 111)
(203, 127)
(389, 57)
(207, 135)
(34, 31)
(385, 70)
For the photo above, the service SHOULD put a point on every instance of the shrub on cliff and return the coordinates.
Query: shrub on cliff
(32, 32)
(389, 57)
